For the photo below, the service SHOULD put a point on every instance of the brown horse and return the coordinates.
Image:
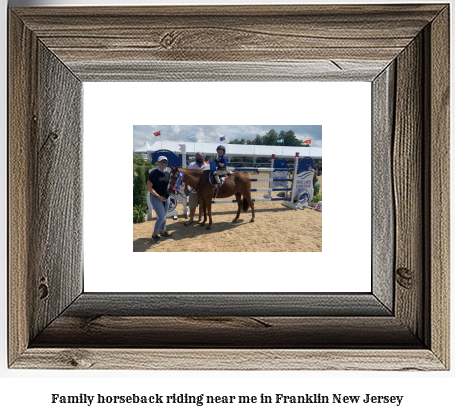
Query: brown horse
(237, 184)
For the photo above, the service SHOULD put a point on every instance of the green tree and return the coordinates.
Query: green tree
(270, 138)
(290, 139)
(258, 140)
(255, 141)
(139, 189)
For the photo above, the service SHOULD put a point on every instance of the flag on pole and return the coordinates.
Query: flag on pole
(253, 141)
(222, 138)
(307, 142)
(280, 141)
(191, 137)
(157, 133)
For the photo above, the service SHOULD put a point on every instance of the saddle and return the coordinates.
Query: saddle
(212, 181)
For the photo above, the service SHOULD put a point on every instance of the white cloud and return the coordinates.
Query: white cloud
(212, 133)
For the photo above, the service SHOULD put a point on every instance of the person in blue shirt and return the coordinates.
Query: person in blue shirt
(220, 165)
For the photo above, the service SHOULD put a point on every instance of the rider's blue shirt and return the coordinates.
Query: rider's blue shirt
(222, 159)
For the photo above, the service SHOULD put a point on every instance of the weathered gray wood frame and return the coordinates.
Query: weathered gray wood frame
(403, 50)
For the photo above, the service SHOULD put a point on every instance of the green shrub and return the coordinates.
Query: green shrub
(317, 198)
(139, 160)
(139, 189)
(315, 180)
(146, 173)
(139, 214)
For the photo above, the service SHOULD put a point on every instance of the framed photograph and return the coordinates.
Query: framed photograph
(402, 323)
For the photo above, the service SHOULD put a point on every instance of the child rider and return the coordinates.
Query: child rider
(220, 165)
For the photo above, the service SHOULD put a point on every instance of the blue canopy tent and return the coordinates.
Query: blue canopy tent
(172, 158)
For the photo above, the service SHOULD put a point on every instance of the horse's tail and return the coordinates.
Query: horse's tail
(245, 204)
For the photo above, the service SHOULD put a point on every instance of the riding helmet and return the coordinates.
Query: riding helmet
(221, 148)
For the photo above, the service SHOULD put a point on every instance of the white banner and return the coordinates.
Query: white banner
(280, 175)
(304, 187)
(175, 200)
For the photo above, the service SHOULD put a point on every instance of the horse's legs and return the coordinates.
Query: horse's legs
(248, 198)
(204, 208)
(209, 211)
(238, 196)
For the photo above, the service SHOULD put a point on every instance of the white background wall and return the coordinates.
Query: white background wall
(30, 390)
(344, 111)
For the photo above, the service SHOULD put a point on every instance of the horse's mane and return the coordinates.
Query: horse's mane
(194, 172)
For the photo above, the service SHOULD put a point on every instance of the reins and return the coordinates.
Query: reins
(181, 194)
(199, 182)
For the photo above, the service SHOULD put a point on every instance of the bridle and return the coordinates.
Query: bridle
(175, 185)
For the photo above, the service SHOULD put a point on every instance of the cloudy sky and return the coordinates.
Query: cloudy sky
(212, 133)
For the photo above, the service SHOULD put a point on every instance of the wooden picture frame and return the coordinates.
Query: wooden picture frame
(403, 324)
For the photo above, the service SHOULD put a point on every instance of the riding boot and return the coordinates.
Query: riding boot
(215, 191)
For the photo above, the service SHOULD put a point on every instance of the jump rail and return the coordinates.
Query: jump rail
(261, 169)
(254, 200)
